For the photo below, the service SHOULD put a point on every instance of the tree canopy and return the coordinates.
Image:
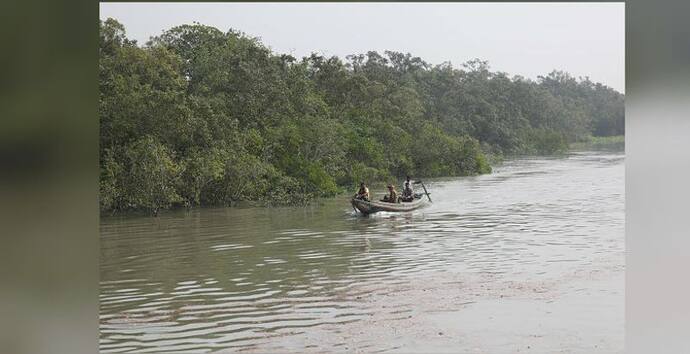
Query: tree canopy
(198, 116)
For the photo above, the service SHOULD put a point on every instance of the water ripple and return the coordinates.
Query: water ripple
(236, 278)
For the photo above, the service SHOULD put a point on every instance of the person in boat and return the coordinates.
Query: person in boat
(408, 193)
(363, 192)
(392, 196)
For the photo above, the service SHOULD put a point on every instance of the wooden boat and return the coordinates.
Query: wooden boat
(370, 207)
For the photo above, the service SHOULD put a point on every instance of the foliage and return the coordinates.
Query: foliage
(546, 141)
(198, 116)
(615, 143)
(145, 178)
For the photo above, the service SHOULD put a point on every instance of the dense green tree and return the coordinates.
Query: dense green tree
(151, 176)
(198, 116)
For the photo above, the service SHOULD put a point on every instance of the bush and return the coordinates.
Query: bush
(110, 197)
(470, 158)
(149, 176)
(615, 143)
(319, 182)
(439, 154)
(359, 172)
(547, 141)
(199, 168)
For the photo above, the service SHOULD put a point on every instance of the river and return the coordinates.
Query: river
(528, 258)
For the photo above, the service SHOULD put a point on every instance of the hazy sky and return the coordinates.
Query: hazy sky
(528, 39)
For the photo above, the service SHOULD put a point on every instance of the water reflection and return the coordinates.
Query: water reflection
(235, 278)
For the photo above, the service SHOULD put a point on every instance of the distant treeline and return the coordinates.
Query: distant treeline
(202, 117)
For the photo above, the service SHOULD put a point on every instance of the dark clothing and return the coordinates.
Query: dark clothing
(407, 194)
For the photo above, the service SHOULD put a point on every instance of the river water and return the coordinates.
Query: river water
(529, 257)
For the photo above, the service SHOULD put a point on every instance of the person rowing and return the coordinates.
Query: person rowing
(363, 192)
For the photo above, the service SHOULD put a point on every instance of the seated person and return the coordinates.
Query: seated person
(392, 196)
(408, 193)
(363, 192)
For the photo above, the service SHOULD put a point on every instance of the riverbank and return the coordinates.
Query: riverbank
(613, 143)
(616, 143)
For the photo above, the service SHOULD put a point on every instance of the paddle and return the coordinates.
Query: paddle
(425, 192)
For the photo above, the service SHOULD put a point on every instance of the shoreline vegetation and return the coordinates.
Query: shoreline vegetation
(616, 142)
(201, 117)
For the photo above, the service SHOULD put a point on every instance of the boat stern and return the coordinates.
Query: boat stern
(362, 206)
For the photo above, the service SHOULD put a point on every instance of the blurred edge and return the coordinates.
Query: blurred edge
(657, 175)
(48, 178)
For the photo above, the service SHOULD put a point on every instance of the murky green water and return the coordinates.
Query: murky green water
(237, 279)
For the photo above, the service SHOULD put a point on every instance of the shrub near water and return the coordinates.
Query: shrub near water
(144, 179)
(615, 143)
(548, 141)
(198, 116)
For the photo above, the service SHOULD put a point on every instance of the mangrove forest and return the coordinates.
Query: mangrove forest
(200, 117)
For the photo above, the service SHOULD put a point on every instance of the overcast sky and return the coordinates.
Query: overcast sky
(529, 39)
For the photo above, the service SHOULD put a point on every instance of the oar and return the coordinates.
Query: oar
(353, 205)
(425, 192)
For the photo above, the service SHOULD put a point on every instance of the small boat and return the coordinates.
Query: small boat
(370, 207)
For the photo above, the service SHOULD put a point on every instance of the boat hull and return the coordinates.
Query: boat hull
(371, 207)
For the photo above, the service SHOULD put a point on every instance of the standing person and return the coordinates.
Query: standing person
(408, 193)
(363, 192)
